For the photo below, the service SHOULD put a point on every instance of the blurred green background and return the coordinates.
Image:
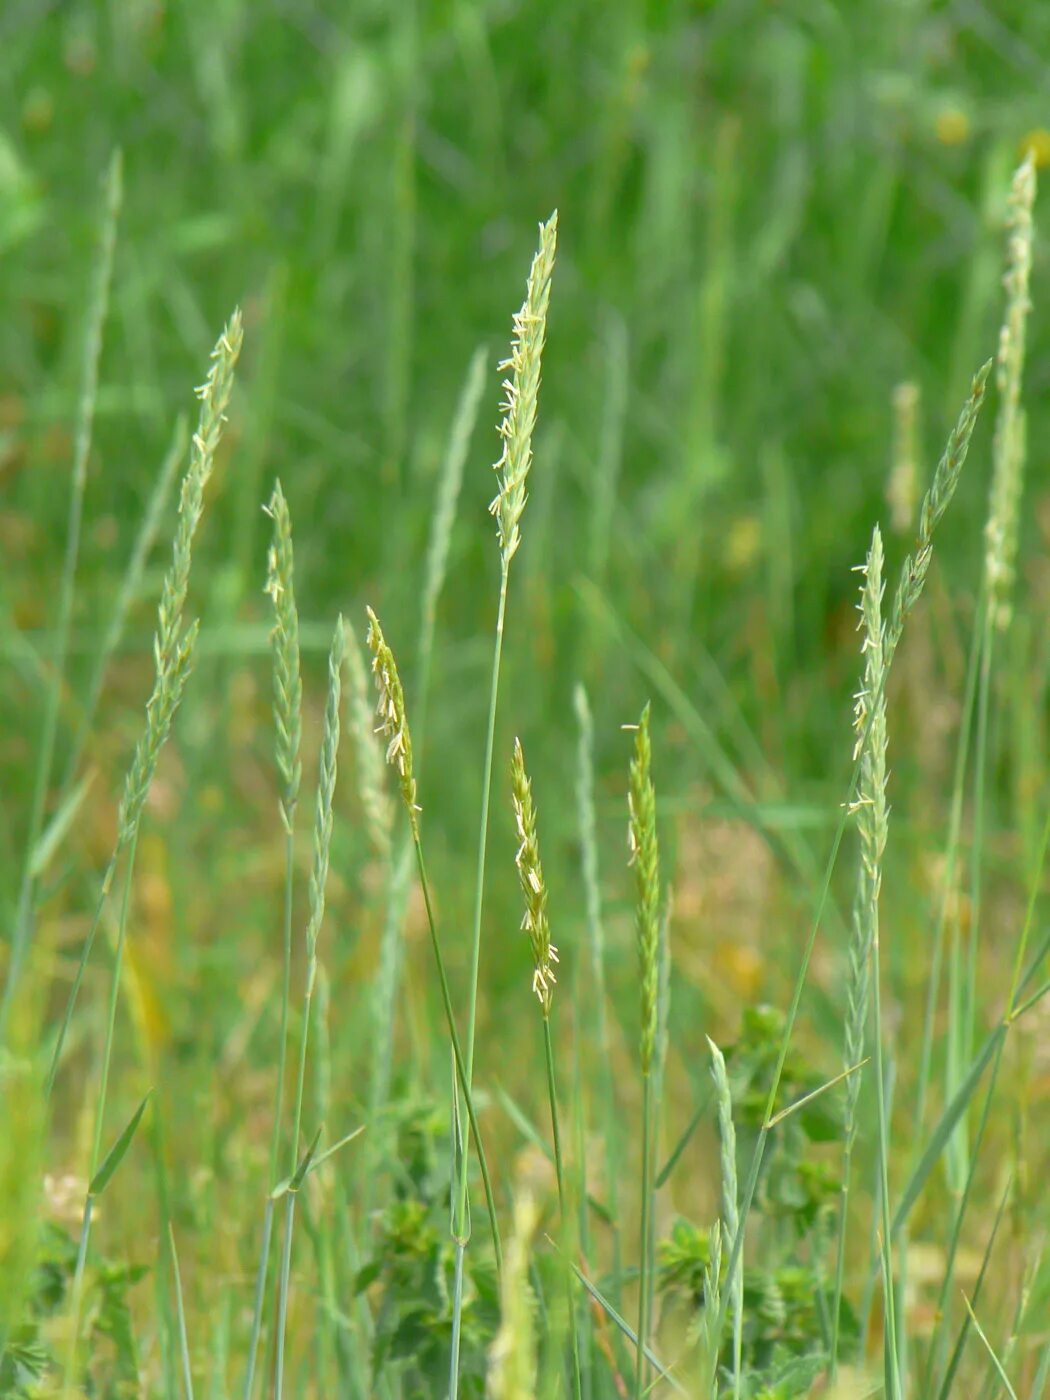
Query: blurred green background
(771, 216)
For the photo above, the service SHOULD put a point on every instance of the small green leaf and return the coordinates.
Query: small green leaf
(115, 1155)
(291, 1184)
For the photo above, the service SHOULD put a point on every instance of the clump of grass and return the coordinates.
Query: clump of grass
(645, 857)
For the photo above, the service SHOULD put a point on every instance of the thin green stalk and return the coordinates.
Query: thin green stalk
(559, 1168)
(641, 1378)
(457, 1052)
(98, 304)
(287, 711)
(516, 431)
(184, 1345)
(888, 1291)
(326, 781)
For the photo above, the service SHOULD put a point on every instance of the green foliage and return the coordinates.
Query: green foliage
(410, 1273)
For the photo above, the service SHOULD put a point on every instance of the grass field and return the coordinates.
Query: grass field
(666, 954)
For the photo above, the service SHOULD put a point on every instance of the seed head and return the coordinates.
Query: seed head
(521, 390)
(390, 709)
(533, 887)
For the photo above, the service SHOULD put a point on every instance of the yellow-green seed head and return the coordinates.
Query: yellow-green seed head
(533, 887)
(390, 709)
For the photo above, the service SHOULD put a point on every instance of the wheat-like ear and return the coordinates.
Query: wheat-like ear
(173, 646)
(393, 718)
(1009, 444)
(533, 887)
(521, 390)
(934, 504)
(284, 639)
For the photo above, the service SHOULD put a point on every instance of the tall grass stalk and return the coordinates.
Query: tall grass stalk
(645, 857)
(909, 589)
(1001, 531)
(287, 710)
(520, 404)
(544, 958)
(869, 724)
(318, 883)
(173, 647)
(91, 350)
(173, 653)
(872, 815)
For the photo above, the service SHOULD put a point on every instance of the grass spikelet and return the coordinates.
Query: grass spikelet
(870, 809)
(172, 647)
(533, 888)
(521, 392)
(284, 642)
(371, 776)
(645, 858)
(1009, 442)
(393, 721)
(730, 1199)
(934, 504)
(325, 796)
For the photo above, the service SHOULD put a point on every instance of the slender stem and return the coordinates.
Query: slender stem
(461, 1070)
(645, 1273)
(980, 764)
(457, 1316)
(260, 1292)
(282, 1297)
(559, 1167)
(184, 1344)
(286, 996)
(78, 1297)
(483, 835)
(889, 1297)
(278, 1110)
(286, 1259)
(840, 1260)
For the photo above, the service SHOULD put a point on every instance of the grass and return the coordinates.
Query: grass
(753, 336)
